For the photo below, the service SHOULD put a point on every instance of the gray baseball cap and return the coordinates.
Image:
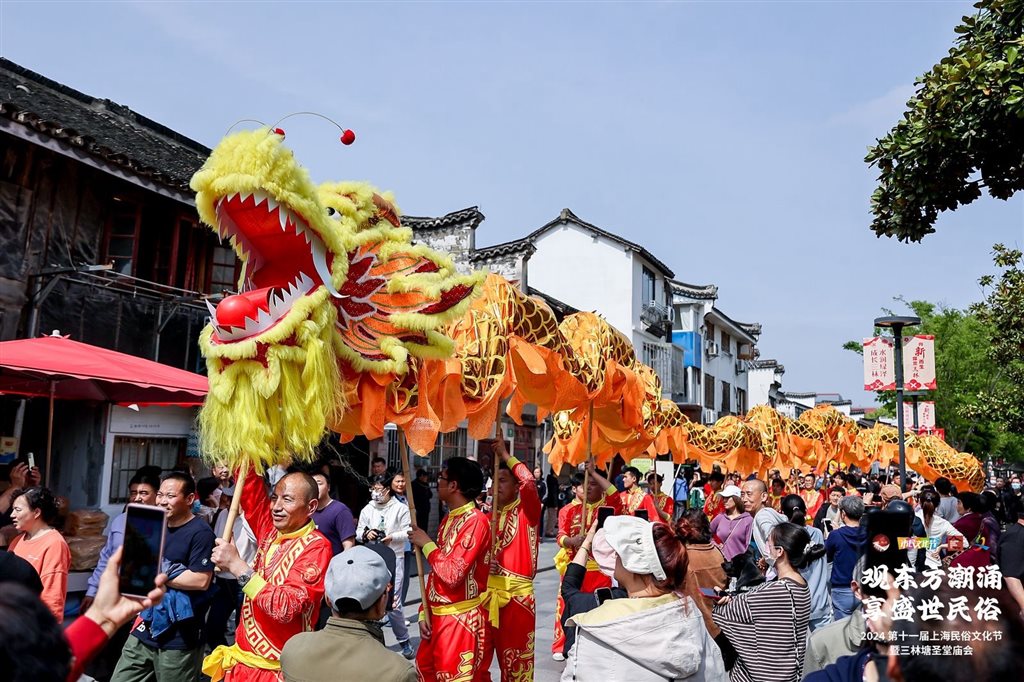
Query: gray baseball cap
(357, 573)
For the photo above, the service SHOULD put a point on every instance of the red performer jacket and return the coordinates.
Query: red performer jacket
(287, 586)
(665, 504)
(571, 522)
(458, 560)
(518, 525)
(636, 499)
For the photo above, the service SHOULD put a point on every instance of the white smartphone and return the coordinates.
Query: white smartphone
(31, 461)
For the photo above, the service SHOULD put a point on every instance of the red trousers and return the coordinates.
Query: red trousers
(513, 639)
(457, 648)
(591, 582)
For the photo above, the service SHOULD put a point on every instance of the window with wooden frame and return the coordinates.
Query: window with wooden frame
(741, 401)
(121, 244)
(726, 396)
(726, 343)
(709, 391)
(224, 270)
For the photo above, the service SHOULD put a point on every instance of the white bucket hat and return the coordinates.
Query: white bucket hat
(632, 539)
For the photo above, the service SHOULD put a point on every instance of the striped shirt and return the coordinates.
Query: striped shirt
(768, 628)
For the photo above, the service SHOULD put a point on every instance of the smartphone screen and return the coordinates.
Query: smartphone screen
(709, 593)
(144, 531)
(603, 594)
(603, 513)
(641, 514)
(884, 530)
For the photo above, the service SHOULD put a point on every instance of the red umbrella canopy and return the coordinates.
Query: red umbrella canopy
(79, 371)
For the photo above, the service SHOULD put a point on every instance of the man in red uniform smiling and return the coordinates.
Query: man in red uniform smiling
(284, 586)
(454, 645)
(510, 597)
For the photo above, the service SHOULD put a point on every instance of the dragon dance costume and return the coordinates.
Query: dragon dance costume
(456, 594)
(510, 599)
(282, 597)
(570, 524)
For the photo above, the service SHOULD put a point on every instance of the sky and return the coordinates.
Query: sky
(726, 137)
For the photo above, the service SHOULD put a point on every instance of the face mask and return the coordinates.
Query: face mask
(1015, 486)
(195, 507)
(377, 497)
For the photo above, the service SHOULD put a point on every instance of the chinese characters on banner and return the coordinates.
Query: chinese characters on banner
(925, 415)
(918, 363)
(879, 368)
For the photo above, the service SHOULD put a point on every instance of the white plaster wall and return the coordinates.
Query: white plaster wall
(589, 273)
(759, 383)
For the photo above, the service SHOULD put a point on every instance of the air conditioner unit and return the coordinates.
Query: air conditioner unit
(709, 416)
(741, 366)
(711, 349)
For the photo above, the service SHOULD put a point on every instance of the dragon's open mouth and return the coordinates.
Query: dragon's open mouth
(283, 259)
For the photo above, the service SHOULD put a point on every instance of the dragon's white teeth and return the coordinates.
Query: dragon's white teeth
(282, 217)
(271, 204)
(213, 311)
(320, 261)
(259, 198)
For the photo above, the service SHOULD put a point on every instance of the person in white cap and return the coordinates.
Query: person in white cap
(351, 646)
(656, 633)
(732, 529)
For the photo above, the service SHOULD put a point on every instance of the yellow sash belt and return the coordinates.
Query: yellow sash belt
(500, 591)
(223, 658)
(458, 607)
(562, 562)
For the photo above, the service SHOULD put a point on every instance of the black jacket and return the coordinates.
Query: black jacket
(578, 601)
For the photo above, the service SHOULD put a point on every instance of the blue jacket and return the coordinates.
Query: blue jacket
(842, 548)
(175, 607)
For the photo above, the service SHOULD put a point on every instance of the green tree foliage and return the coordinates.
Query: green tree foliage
(1003, 312)
(963, 130)
(965, 372)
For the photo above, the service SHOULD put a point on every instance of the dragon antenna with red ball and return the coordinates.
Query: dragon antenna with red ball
(243, 120)
(347, 136)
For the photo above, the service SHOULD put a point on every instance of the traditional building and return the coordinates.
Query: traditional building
(101, 241)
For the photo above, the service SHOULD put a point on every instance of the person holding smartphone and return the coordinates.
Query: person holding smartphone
(168, 646)
(512, 607)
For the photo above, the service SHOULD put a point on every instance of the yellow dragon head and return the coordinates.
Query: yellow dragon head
(330, 286)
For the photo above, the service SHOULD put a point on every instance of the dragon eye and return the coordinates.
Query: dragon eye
(333, 213)
(330, 211)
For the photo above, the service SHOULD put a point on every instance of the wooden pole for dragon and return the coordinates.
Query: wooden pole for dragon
(585, 514)
(236, 504)
(410, 498)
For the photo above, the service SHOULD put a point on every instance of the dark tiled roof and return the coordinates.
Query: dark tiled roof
(518, 246)
(768, 364)
(794, 394)
(568, 216)
(741, 327)
(752, 328)
(103, 129)
(836, 402)
(560, 309)
(471, 215)
(700, 291)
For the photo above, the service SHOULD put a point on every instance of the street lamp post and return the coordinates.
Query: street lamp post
(897, 323)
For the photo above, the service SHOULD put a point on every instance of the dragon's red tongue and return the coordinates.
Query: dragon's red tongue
(233, 310)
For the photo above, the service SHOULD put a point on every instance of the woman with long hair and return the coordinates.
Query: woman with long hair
(815, 572)
(768, 625)
(938, 529)
(33, 512)
(657, 633)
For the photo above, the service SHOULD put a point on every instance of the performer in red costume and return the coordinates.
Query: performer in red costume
(812, 498)
(573, 524)
(454, 645)
(283, 588)
(510, 599)
(665, 505)
(633, 498)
